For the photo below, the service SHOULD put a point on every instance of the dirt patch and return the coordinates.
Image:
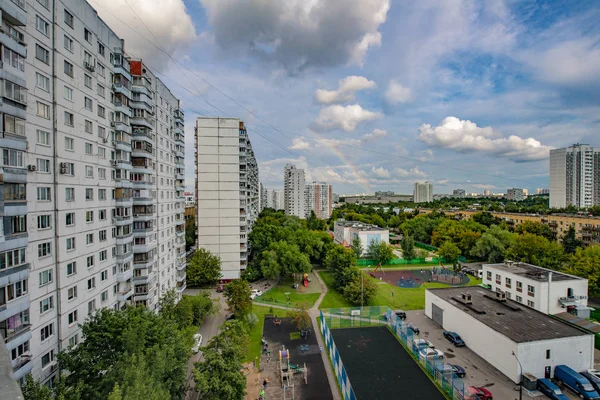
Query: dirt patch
(252, 382)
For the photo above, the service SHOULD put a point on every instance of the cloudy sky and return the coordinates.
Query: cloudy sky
(377, 94)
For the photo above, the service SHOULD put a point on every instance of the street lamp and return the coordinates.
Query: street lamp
(521, 380)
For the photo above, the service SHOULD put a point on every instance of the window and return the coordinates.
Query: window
(91, 283)
(48, 358)
(90, 263)
(19, 350)
(101, 111)
(69, 143)
(69, 194)
(87, 58)
(519, 299)
(46, 304)
(102, 215)
(101, 132)
(102, 235)
(68, 68)
(45, 277)
(88, 104)
(102, 256)
(74, 340)
(89, 216)
(89, 194)
(101, 70)
(102, 192)
(87, 35)
(68, 93)
(68, 43)
(43, 221)
(43, 165)
(41, 25)
(102, 153)
(91, 306)
(69, 119)
(100, 90)
(87, 81)
(43, 193)
(89, 238)
(89, 149)
(507, 282)
(530, 303)
(44, 249)
(519, 286)
(72, 318)
(46, 331)
(71, 268)
(530, 290)
(45, 3)
(70, 243)
(43, 138)
(13, 59)
(42, 82)
(13, 291)
(68, 18)
(101, 49)
(104, 296)
(42, 54)
(70, 219)
(43, 110)
(72, 293)
(89, 127)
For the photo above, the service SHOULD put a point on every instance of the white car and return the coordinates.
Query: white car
(197, 343)
(429, 352)
(256, 293)
(422, 343)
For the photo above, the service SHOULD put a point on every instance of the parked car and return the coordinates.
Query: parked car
(400, 314)
(414, 328)
(575, 381)
(454, 338)
(256, 293)
(477, 393)
(197, 343)
(452, 369)
(422, 344)
(429, 352)
(548, 387)
(593, 376)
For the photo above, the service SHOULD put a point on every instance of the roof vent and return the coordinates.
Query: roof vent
(500, 295)
(466, 297)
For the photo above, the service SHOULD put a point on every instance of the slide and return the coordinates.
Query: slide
(306, 283)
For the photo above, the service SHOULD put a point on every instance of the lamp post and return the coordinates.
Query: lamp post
(521, 380)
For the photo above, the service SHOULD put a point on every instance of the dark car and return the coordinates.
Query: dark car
(400, 314)
(592, 376)
(454, 338)
(458, 370)
(550, 389)
(414, 328)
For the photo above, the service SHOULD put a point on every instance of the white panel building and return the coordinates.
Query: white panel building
(273, 198)
(495, 327)
(344, 233)
(293, 191)
(423, 192)
(575, 176)
(318, 198)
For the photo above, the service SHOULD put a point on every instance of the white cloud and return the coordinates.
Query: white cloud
(299, 144)
(168, 21)
(346, 90)
(343, 117)
(467, 137)
(413, 172)
(380, 172)
(298, 34)
(335, 142)
(396, 93)
(376, 134)
(426, 155)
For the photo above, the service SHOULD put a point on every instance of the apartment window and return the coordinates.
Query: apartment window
(91, 283)
(43, 110)
(102, 256)
(19, 350)
(68, 18)
(530, 290)
(90, 262)
(89, 194)
(43, 193)
(70, 243)
(42, 82)
(46, 331)
(69, 194)
(548, 354)
(89, 149)
(12, 258)
(89, 238)
(519, 299)
(72, 293)
(43, 221)
(71, 268)
(69, 119)
(69, 143)
(47, 358)
(45, 3)
(88, 104)
(89, 127)
(102, 153)
(74, 340)
(42, 25)
(87, 35)
(72, 318)
(104, 274)
(101, 111)
(68, 43)
(101, 91)
(87, 81)
(530, 303)
(42, 54)
(45, 277)
(46, 304)
(104, 296)
(13, 291)
(70, 219)
(68, 68)
(102, 192)
(102, 215)
(102, 235)
(43, 165)
(507, 282)
(101, 49)
(91, 306)
(43, 138)
(13, 59)
(68, 93)
(44, 249)
(89, 216)
(101, 132)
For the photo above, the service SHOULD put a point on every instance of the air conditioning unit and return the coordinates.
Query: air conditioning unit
(112, 123)
(63, 171)
(105, 140)
(54, 367)
(114, 142)
(63, 165)
(89, 66)
(113, 162)
(31, 167)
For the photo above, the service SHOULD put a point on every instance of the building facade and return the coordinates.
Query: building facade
(227, 191)
(516, 194)
(293, 191)
(423, 192)
(575, 176)
(318, 198)
(344, 233)
(273, 198)
(68, 240)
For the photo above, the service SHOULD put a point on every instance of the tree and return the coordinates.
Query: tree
(300, 315)
(449, 252)
(570, 242)
(237, 295)
(341, 262)
(315, 224)
(361, 290)
(193, 310)
(537, 228)
(283, 259)
(204, 268)
(586, 263)
(408, 247)
(493, 244)
(386, 252)
(536, 250)
(357, 247)
(459, 233)
(191, 233)
(485, 218)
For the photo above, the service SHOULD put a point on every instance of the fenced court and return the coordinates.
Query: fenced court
(404, 278)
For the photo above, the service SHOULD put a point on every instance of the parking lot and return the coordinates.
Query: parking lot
(479, 372)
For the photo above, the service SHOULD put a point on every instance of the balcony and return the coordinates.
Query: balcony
(180, 276)
(122, 70)
(122, 220)
(121, 88)
(124, 275)
(14, 12)
(125, 292)
(142, 121)
(140, 132)
(181, 287)
(122, 107)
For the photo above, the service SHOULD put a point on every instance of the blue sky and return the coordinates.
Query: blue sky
(375, 95)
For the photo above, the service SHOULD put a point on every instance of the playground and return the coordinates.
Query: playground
(293, 364)
(414, 278)
(292, 290)
(378, 366)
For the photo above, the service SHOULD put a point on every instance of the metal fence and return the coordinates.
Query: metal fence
(401, 261)
(355, 317)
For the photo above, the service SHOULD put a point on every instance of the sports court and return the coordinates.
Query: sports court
(380, 368)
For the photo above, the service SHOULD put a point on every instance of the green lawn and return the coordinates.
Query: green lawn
(277, 294)
(256, 332)
(333, 298)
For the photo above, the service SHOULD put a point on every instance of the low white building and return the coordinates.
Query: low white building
(547, 291)
(495, 327)
(345, 232)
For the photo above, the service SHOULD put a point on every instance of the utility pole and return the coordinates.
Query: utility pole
(521, 380)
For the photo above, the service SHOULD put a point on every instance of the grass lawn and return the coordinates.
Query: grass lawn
(333, 298)
(256, 332)
(276, 295)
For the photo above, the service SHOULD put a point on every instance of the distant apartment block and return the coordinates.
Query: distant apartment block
(516, 194)
(423, 192)
(227, 191)
(542, 191)
(575, 176)
(459, 193)
(318, 198)
(273, 198)
(345, 232)
(293, 191)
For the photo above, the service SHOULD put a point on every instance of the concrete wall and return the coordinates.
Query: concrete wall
(576, 352)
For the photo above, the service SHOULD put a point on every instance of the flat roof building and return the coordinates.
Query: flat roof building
(344, 233)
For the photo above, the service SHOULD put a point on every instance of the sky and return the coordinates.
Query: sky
(379, 94)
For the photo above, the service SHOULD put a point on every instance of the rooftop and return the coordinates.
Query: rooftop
(532, 272)
(360, 226)
(514, 320)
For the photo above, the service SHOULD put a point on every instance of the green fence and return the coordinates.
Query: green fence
(402, 261)
(595, 315)
(355, 317)
(425, 246)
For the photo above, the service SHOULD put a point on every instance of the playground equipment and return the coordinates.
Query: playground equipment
(288, 371)
(449, 276)
(305, 280)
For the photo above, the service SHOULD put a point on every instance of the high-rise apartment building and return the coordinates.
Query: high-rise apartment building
(423, 192)
(273, 198)
(318, 198)
(542, 191)
(227, 191)
(459, 193)
(293, 191)
(516, 194)
(575, 176)
(81, 212)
